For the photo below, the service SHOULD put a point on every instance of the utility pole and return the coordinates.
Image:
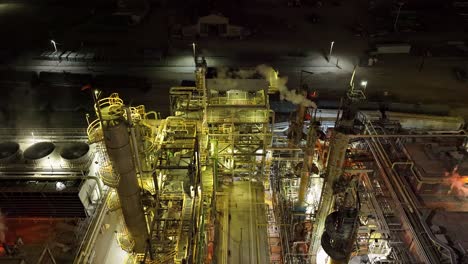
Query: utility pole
(54, 44)
(194, 53)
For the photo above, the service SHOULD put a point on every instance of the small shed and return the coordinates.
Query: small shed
(213, 25)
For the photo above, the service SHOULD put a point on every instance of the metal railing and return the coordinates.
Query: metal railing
(92, 232)
(124, 238)
(106, 172)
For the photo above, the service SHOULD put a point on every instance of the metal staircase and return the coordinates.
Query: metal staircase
(185, 229)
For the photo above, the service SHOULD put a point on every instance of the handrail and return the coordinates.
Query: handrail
(94, 131)
(92, 231)
(156, 115)
(113, 99)
(111, 102)
(124, 239)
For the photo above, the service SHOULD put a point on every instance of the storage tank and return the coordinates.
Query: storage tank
(9, 152)
(75, 154)
(39, 152)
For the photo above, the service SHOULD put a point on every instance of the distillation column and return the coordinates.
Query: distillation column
(338, 146)
(117, 141)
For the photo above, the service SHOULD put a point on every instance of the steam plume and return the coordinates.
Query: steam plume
(225, 73)
(280, 83)
(271, 76)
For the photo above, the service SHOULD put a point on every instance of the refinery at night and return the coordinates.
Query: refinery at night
(233, 132)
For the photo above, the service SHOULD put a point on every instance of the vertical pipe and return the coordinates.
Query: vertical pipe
(300, 115)
(307, 164)
(134, 146)
(215, 168)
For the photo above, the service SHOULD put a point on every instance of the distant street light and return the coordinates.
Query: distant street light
(97, 93)
(400, 4)
(87, 118)
(331, 49)
(54, 44)
(364, 84)
(194, 53)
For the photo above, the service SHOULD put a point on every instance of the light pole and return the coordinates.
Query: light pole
(97, 93)
(194, 53)
(331, 50)
(54, 44)
(400, 4)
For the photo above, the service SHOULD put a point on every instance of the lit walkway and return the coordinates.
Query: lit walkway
(245, 239)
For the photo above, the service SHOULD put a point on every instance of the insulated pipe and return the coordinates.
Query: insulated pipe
(117, 140)
(408, 135)
(305, 179)
(307, 164)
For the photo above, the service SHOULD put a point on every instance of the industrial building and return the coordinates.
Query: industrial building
(221, 180)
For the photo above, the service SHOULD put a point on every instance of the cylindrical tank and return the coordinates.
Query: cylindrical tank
(75, 154)
(39, 152)
(9, 152)
(117, 142)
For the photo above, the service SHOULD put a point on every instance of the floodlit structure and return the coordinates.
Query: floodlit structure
(219, 181)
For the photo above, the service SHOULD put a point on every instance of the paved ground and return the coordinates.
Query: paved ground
(284, 39)
(400, 75)
(107, 250)
(245, 238)
(36, 234)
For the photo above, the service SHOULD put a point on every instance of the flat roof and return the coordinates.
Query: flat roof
(249, 85)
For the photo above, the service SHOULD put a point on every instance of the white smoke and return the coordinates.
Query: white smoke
(270, 75)
(228, 84)
(280, 83)
(3, 228)
(222, 72)
(226, 73)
